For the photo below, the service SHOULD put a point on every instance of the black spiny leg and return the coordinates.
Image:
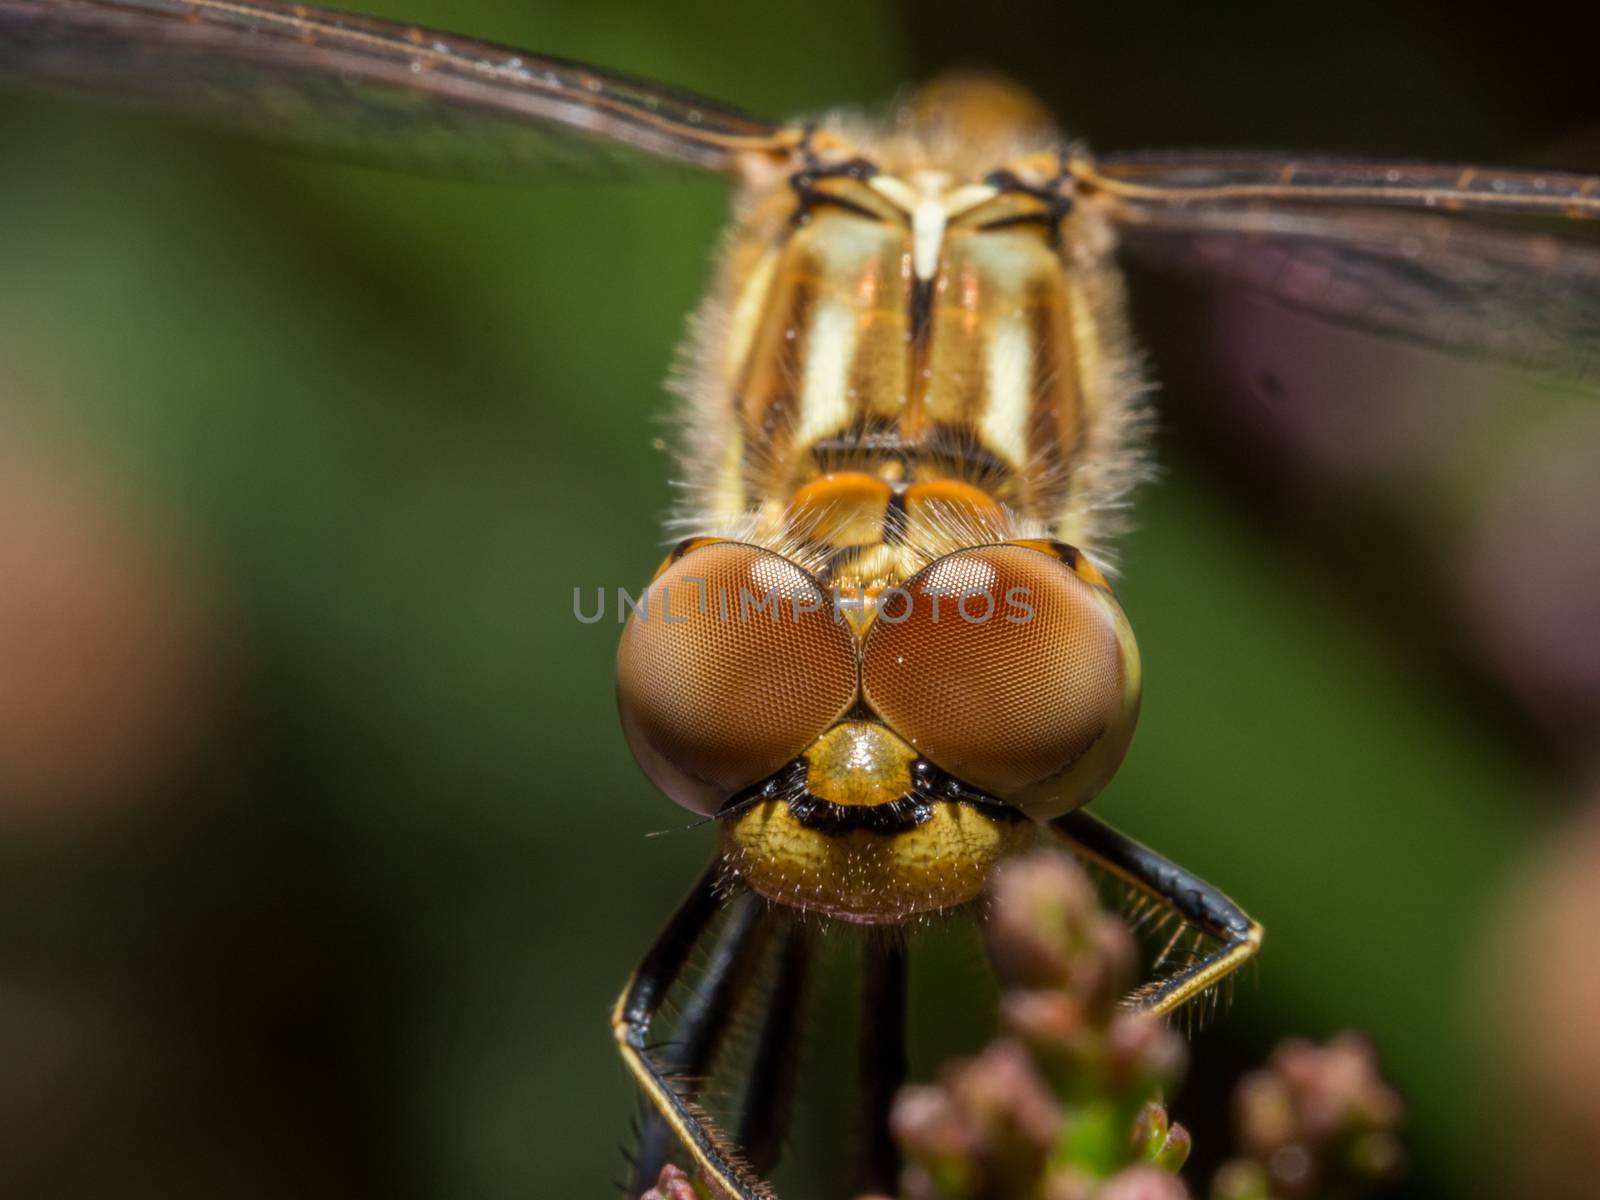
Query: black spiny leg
(701, 1027)
(883, 1061)
(1193, 899)
(770, 1089)
(636, 1008)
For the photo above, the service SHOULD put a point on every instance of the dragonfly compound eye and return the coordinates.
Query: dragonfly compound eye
(729, 668)
(1013, 668)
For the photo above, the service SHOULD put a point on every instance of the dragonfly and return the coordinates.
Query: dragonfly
(884, 652)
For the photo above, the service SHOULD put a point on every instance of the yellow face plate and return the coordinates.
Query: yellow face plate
(864, 875)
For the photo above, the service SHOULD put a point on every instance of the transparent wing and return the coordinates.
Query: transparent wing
(1299, 331)
(1496, 264)
(365, 87)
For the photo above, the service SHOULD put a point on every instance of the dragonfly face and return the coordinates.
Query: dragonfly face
(881, 655)
(874, 768)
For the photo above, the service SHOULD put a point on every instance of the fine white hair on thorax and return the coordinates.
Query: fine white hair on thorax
(719, 458)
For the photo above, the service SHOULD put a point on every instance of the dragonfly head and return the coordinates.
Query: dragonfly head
(876, 768)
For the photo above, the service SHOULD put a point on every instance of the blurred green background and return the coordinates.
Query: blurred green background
(354, 927)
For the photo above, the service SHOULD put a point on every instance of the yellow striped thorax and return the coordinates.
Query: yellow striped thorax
(919, 312)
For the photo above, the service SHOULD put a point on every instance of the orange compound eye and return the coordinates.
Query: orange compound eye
(731, 666)
(1012, 671)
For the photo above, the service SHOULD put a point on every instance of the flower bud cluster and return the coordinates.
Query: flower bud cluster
(1065, 1105)
(1315, 1118)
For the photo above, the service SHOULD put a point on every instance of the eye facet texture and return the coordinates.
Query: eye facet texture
(733, 666)
(1011, 672)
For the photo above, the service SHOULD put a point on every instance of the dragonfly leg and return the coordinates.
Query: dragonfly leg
(1191, 898)
(883, 1060)
(770, 1089)
(701, 1027)
(631, 1020)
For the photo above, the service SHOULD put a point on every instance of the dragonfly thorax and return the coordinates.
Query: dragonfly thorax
(920, 327)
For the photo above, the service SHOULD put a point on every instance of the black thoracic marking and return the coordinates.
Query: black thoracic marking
(895, 519)
(921, 312)
(863, 441)
(805, 183)
(812, 199)
(1044, 219)
(852, 168)
(1058, 203)
(870, 441)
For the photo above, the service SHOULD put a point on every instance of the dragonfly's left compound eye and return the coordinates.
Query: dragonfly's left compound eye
(1013, 668)
(732, 665)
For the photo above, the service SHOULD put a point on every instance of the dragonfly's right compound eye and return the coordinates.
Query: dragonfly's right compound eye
(730, 667)
(1024, 683)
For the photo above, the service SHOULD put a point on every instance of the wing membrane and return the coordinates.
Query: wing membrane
(357, 85)
(1510, 272)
